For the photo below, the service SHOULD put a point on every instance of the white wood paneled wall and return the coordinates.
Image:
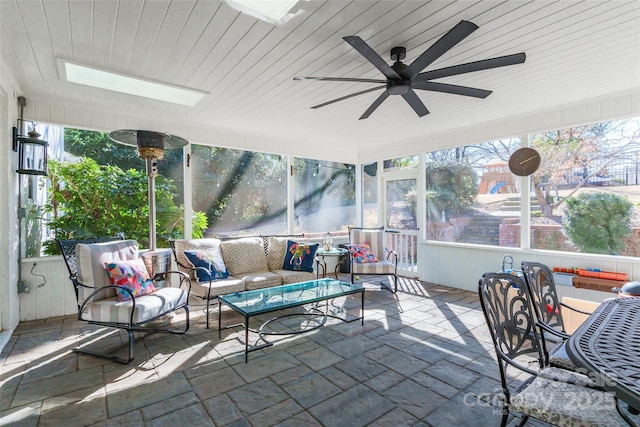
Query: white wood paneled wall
(55, 298)
(462, 265)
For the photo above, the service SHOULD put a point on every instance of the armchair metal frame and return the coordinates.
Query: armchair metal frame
(546, 393)
(68, 249)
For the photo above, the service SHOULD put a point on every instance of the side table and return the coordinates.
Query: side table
(321, 261)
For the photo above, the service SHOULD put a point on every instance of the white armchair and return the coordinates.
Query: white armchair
(123, 297)
(369, 255)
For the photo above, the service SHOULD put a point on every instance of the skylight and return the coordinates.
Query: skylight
(102, 79)
(271, 11)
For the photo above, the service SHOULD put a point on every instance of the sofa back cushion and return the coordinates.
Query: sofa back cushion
(91, 259)
(192, 244)
(246, 255)
(276, 250)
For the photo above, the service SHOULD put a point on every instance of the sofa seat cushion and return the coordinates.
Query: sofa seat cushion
(292, 276)
(262, 279)
(244, 256)
(147, 307)
(218, 287)
(380, 267)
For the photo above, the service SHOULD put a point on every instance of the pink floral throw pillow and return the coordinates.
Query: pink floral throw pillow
(130, 274)
(362, 253)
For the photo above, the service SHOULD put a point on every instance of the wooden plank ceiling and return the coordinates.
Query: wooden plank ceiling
(575, 51)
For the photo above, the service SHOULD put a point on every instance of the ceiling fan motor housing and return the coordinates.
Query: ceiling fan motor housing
(402, 86)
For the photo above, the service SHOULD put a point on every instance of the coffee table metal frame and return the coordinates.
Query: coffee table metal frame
(267, 300)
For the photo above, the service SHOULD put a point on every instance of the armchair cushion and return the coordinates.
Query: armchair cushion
(362, 253)
(132, 275)
(147, 306)
(90, 259)
(299, 256)
(210, 259)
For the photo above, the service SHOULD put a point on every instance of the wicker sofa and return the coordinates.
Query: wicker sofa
(251, 263)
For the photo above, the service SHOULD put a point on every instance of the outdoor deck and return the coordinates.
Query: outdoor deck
(422, 357)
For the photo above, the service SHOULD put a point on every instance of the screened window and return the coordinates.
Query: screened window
(324, 196)
(586, 190)
(99, 188)
(240, 192)
(470, 194)
(370, 194)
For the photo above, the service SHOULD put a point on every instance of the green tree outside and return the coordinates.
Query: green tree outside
(89, 200)
(597, 223)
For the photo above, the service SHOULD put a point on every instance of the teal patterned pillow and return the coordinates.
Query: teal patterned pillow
(299, 256)
(210, 259)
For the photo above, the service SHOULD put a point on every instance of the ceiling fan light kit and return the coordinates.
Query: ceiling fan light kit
(402, 79)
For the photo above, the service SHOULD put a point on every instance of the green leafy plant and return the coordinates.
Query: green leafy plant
(88, 200)
(451, 187)
(598, 222)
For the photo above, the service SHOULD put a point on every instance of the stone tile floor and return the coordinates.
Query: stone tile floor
(423, 358)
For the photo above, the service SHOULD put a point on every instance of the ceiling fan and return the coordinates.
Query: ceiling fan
(402, 79)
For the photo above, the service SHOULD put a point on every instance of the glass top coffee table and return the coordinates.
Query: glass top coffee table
(267, 300)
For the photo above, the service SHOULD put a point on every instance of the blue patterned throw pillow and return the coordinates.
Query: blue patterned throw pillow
(211, 259)
(299, 256)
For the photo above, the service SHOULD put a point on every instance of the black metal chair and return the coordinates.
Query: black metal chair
(97, 300)
(387, 261)
(548, 394)
(548, 310)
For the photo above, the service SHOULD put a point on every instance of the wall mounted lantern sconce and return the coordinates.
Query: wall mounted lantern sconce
(32, 151)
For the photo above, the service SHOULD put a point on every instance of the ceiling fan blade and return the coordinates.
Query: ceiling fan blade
(415, 102)
(454, 89)
(365, 50)
(340, 79)
(469, 67)
(384, 95)
(342, 98)
(446, 42)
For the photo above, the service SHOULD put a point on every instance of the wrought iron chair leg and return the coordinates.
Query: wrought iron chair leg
(525, 418)
(208, 302)
(110, 356)
(505, 416)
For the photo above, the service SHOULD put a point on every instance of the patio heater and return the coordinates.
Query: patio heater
(151, 146)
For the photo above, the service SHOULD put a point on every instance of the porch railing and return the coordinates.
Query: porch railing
(405, 244)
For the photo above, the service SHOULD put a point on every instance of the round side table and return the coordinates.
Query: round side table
(321, 262)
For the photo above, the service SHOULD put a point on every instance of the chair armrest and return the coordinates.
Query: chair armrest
(98, 290)
(546, 328)
(392, 254)
(183, 277)
(575, 309)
